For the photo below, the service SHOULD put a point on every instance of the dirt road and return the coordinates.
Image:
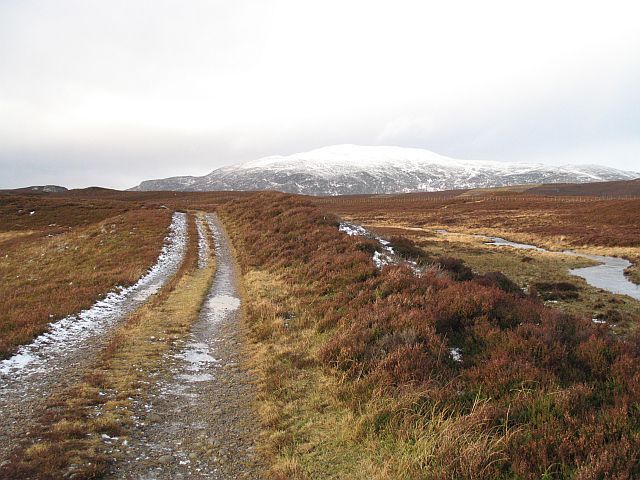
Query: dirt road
(58, 358)
(197, 421)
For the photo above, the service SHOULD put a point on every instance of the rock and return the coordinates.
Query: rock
(154, 418)
(166, 459)
(193, 456)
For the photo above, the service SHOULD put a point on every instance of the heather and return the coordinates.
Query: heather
(451, 374)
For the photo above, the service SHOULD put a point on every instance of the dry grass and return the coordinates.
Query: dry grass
(49, 272)
(69, 440)
(308, 432)
(206, 201)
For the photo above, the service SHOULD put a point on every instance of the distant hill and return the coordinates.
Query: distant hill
(37, 189)
(352, 169)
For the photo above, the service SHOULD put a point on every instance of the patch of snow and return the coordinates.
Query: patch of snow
(387, 256)
(456, 354)
(597, 320)
(196, 355)
(352, 229)
(196, 377)
(222, 305)
(381, 259)
(335, 159)
(72, 332)
(203, 244)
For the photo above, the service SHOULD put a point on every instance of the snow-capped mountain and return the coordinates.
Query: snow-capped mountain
(353, 169)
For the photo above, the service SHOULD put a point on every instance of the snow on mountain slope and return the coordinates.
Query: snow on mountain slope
(352, 169)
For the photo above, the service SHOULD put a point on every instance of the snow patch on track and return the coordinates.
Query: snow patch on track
(203, 244)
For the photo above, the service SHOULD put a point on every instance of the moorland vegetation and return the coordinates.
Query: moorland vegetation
(58, 256)
(440, 375)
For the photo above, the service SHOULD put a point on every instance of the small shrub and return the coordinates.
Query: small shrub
(456, 268)
(557, 291)
(407, 249)
(500, 280)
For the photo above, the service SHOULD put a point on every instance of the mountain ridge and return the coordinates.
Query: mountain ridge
(353, 169)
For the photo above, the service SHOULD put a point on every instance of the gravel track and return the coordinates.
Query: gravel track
(198, 422)
(58, 358)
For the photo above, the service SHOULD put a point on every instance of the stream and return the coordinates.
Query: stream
(607, 275)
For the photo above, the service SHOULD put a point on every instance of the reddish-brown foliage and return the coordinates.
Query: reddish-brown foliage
(566, 387)
(594, 221)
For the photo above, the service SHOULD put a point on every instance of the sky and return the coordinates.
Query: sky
(113, 92)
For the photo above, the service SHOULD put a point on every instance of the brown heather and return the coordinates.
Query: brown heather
(549, 221)
(538, 393)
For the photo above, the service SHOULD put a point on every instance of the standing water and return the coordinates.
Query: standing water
(608, 275)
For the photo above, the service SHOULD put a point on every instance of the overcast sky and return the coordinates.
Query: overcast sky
(113, 92)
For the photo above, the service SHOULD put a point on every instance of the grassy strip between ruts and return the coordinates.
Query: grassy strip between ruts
(69, 443)
(357, 379)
